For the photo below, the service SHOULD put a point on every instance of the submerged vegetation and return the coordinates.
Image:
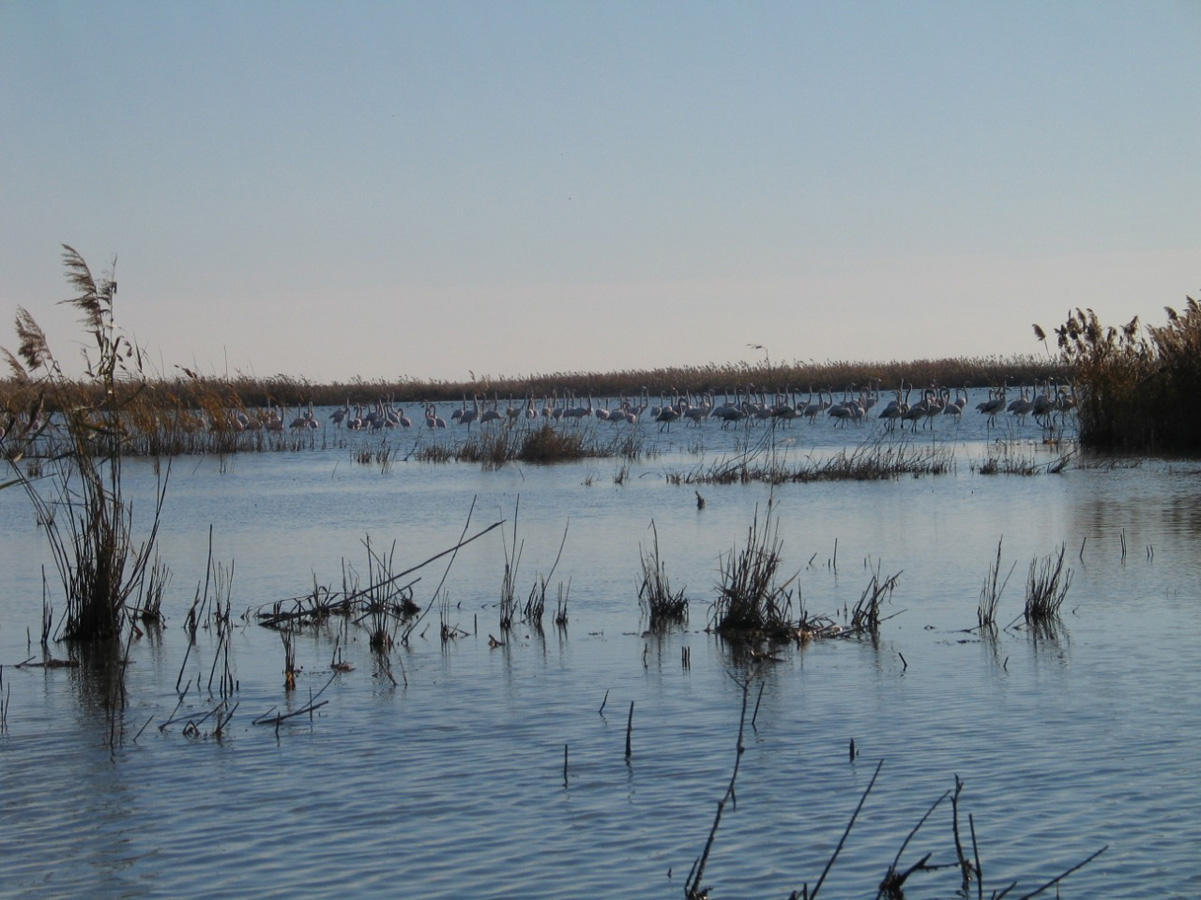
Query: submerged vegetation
(1134, 383)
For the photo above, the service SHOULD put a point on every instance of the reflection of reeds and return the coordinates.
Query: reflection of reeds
(664, 607)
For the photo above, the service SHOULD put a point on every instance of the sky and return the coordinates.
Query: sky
(460, 190)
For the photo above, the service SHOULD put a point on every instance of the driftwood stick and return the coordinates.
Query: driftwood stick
(268, 719)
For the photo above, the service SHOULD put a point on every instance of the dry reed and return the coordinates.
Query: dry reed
(663, 606)
(752, 604)
(87, 521)
(1046, 587)
(1133, 382)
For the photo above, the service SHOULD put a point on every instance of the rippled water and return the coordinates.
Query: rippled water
(451, 783)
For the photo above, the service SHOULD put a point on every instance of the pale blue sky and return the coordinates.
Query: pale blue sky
(427, 189)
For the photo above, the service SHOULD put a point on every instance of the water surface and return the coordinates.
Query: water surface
(450, 783)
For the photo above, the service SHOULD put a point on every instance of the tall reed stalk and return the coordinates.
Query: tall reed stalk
(84, 512)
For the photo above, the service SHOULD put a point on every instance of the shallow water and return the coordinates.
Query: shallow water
(451, 783)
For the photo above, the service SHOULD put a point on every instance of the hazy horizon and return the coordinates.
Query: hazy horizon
(385, 191)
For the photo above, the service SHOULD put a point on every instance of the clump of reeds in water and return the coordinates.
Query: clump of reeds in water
(383, 601)
(1046, 587)
(87, 520)
(543, 444)
(549, 445)
(752, 603)
(990, 594)
(1007, 461)
(875, 461)
(865, 615)
(663, 606)
(1133, 381)
(149, 607)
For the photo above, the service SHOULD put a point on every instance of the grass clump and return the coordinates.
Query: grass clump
(1046, 587)
(990, 594)
(865, 616)
(84, 514)
(1134, 381)
(879, 460)
(546, 445)
(752, 603)
(663, 606)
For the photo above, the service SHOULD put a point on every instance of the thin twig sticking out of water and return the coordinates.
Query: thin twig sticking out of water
(508, 585)
(841, 841)
(692, 888)
(894, 880)
(454, 552)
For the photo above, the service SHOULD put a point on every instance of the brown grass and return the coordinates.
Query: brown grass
(1135, 384)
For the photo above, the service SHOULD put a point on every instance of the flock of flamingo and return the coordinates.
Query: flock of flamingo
(1042, 403)
(1046, 404)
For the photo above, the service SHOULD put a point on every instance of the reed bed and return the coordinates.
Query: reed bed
(189, 412)
(830, 375)
(1134, 382)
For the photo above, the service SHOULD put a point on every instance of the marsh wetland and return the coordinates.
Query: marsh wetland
(584, 753)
